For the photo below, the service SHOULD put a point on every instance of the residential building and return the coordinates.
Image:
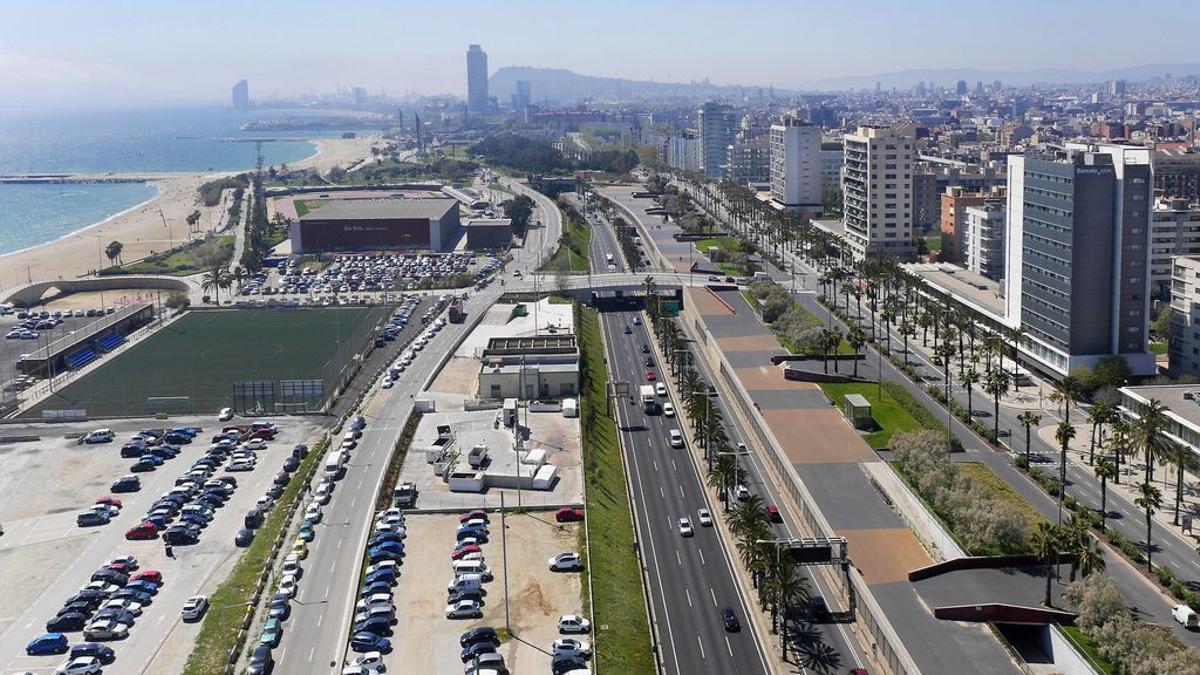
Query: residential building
(796, 165)
(1184, 343)
(833, 157)
(717, 127)
(877, 182)
(954, 203)
(241, 95)
(983, 238)
(477, 79)
(933, 175)
(523, 97)
(1177, 173)
(1076, 278)
(683, 151)
(748, 161)
(1174, 231)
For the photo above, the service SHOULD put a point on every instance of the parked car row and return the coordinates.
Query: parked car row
(375, 611)
(397, 322)
(409, 355)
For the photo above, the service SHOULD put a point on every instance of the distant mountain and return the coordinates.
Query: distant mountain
(905, 79)
(559, 86)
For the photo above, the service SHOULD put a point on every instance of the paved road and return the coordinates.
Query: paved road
(315, 636)
(691, 579)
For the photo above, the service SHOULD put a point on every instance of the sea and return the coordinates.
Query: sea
(194, 138)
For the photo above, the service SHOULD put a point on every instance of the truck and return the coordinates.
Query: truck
(649, 404)
(457, 315)
(405, 495)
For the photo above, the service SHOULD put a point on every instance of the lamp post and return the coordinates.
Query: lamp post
(737, 471)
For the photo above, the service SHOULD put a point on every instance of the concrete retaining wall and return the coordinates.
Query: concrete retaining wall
(934, 536)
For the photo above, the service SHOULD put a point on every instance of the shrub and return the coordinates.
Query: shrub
(177, 300)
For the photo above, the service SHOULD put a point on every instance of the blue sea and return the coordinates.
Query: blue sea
(119, 141)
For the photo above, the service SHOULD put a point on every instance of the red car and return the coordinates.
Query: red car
(773, 514)
(153, 576)
(471, 515)
(460, 551)
(146, 530)
(650, 376)
(111, 501)
(568, 514)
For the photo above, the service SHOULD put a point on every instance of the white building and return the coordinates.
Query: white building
(1174, 231)
(877, 180)
(833, 158)
(1185, 316)
(718, 126)
(983, 240)
(796, 168)
(683, 152)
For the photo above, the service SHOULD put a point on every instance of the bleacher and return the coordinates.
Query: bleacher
(80, 358)
(110, 342)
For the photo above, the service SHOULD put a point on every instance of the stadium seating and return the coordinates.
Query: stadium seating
(110, 341)
(81, 357)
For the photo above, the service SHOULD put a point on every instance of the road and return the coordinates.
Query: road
(691, 579)
(317, 632)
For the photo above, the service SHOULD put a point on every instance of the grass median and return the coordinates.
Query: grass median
(620, 626)
(227, 606)
(889, 414)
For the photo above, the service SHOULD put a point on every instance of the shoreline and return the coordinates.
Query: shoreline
(140, 227)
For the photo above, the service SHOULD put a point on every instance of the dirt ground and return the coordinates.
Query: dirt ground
(93, 300)
(460, 375)
(427, 642)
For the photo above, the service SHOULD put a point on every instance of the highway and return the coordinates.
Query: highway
(316, 635)
(691, 578)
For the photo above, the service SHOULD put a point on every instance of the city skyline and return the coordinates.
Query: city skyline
(96, 54)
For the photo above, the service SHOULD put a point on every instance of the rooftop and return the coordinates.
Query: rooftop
(376, 209)
(530, 344)
(1182, 400)
(974, 290)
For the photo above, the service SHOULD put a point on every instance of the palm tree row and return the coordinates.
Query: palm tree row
(1051, 542)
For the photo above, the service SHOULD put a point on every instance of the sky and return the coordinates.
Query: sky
(73, 52)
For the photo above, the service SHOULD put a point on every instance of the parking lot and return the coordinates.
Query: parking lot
(46, 558)
(12, 348)
(425, 641)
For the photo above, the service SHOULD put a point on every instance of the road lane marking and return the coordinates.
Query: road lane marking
(728, 646)
(701, 552)
(678, 558)
(689, 597)
(714, 596)
(701, 643)
(681, 495)
(660, 491)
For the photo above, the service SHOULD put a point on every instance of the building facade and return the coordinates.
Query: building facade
(683, 152)
(1174, 231)
(717, 126)
(877, 182)
(833, 157)
(544, 367)
(477, 79)
(1077, 257)
(747, 161)
(1177, 173)
(954, 204)
(983, 239)
(241, 95)
(1184, 350)
(523, 97)
(376, 225)
(796, 165)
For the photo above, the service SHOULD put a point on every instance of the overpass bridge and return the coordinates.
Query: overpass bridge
(30, 294)
(609, 282)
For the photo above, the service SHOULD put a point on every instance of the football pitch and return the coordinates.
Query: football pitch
(203, 353)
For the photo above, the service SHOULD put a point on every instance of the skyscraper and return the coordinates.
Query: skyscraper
(477, 79)
(796, 165)
(523, 97)
(961, 87)
(718, 125)
(241, 95)
(878, 188)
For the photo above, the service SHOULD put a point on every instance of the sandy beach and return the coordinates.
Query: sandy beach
(141, 229)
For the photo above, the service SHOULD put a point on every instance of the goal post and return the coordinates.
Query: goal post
(169, 404)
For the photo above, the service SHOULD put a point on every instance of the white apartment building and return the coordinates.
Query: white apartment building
(796, 169)
(1174, 231)
(833, 156)
(983, 239)
(877, 180)
(683, 152)
(1184, 351)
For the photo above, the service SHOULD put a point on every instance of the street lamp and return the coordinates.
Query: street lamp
(737, 471)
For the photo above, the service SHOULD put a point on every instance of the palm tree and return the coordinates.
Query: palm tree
(1063, 435)
(113, 250)
(1148, 433)
(1028, 419)
(1046, 545)
(1068, 389)
(720, 476)
(1182, 458)
(969, 378)
(856, 337)
(651, 291)
(1075, 539)
(790, 587)
(1016, 335)
(1105, 470)
(238, 275)
(831, 339)
(1090, 558)
(1118, 443)
(747, 515)
(1149, 501)
(1098, 415)
(215, 280)
(997, 386)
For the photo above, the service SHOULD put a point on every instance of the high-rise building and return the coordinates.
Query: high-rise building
(717, 127)
(1174, 231)
(747, 160)
(833, 155)
(360, 97)
(241, 95)
(954, 202)
(961, 87)
(1116, 88)
(1177, 173)
(877, 185)
(796, 167)
(683, 152)
(983, 237)
(477, 80)
(1076, 278)
(522, 97)
(1184, 344)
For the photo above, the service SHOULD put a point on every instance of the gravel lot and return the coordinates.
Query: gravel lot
(427, 642)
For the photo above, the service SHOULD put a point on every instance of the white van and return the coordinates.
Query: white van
(676, 438)
(466, 582)
(479, 567)
(333, 465)
(1186, 616)
(99, 436)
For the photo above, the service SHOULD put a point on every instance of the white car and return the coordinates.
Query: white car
(464, 609)
(383, 565)
(106, 629)
(288, 586)
(130, 606)
(565, 562)
(291, 566)
(225, 415)
(264, 502)
(685, 527)
(240, 465)
(313, 513)
(387, 383)
(705, 518)
(742, 493)
(660, 389)
(675, 438)
(376, 600)
(83, 665)
(668, 409)
(371, 660)
(573, 623)
(194, 608)
(570, 647)
(255, 444)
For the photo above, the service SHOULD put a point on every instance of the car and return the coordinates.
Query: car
(369, 642)
(313, 513)
(106, 629)
(125, 605)
(645, 349)
(291, 565)
(307, 532)
(143, 466)
(565, 562)
(384, 565)
(193, 608)
(46, 644)
(374, 586)
(143, 531)
(637, 320)
(704, 517)
(568, 514)
(628, 330)
(148, 575)
(570, 647)
(660, 389)
(288, 585)
(650, 376)
(115, 614)
(92, 518)
(1185, 616)
(729, 620)
(225, 415)
(668, 409)
(83, 665)
(817, 607)
(464, 609)
(143, 586)
(573, 623)
(685, 527)
(471, 651)
(372, 661)
(476, 515)
(675, 438)
(179, 535)
(67, 623)
(279, 610)
(742, 493)
(460, 551)
(300, 548)
(771, 513)
(261, 661)
(255, 444)
(481, 634)
(128, 561)
(126, 484)
(109, 501)
(103, 653)
(271, 634)
(474, 535)
(377, 625)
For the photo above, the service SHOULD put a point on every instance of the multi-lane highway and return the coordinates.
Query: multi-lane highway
(691, 578)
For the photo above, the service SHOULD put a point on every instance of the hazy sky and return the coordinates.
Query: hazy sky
(119, 51)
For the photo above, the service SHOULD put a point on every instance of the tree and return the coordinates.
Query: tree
(113, 250)
(1098, 415)
(1182, 458)
(1046, 547)
(1028, 419)
(216, 280)
(519, 209)
(970, 378)
(789, 587)
(1063, 435)
(1150, 500)
(1067, 390)
(1105, 470)
(856, 337)
(1148, 433)
(996, 386)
